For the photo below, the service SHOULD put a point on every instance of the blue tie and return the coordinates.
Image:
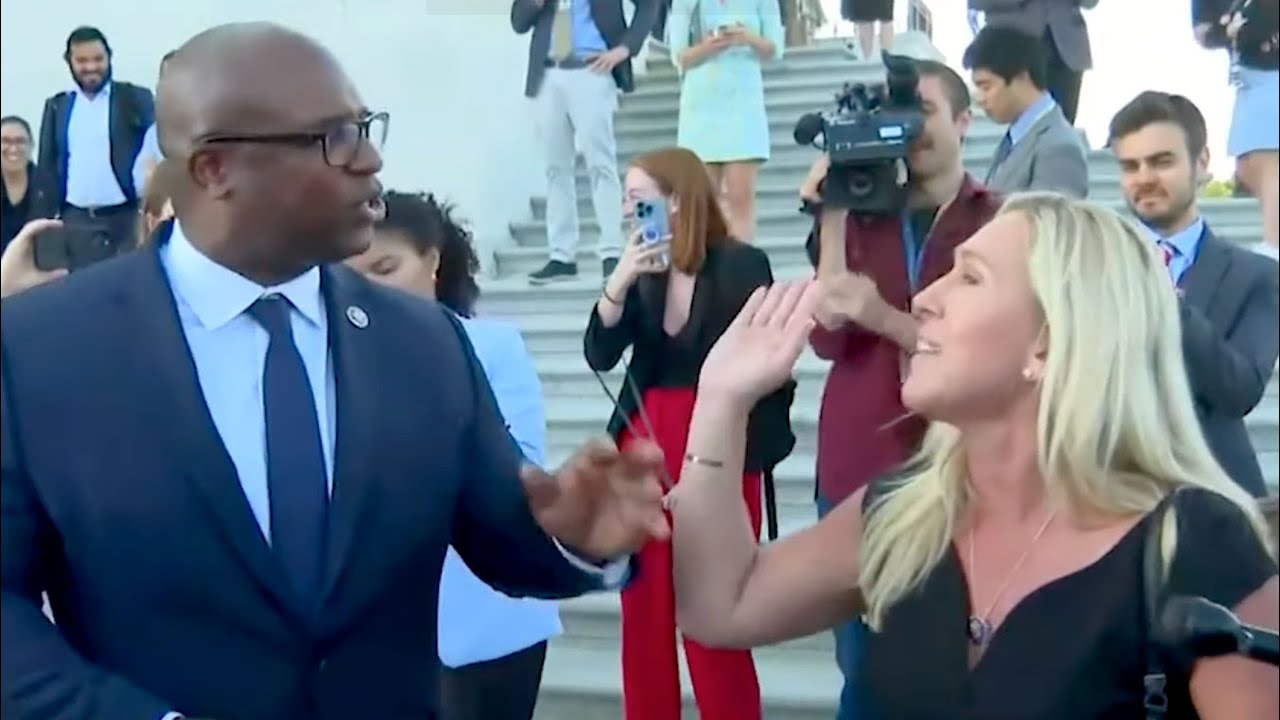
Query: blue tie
(296, 479)
(1002, 153)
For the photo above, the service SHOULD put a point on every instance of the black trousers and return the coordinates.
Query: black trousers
(504, 688)
(119, 223)
(1062, 82)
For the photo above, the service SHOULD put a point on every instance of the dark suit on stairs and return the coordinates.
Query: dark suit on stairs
(1230, 337)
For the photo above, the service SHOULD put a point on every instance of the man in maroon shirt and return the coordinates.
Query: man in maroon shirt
(870, 267)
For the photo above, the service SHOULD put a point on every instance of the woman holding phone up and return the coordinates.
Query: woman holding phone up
(670, 298)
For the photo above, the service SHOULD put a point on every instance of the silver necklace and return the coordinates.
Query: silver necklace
(980, 628)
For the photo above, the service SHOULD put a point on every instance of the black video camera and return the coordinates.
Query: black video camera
(867, 140)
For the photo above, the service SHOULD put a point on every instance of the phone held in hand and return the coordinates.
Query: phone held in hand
(654, 223)
(653, 220)
(72, 247)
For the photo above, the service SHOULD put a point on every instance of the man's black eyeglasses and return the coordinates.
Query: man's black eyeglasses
(340, 143)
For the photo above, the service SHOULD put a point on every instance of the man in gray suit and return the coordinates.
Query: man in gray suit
(1060, 24)
(1041, 150)
(579, 58)
(1229, 296)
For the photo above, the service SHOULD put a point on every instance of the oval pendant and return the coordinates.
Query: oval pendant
(979, 630)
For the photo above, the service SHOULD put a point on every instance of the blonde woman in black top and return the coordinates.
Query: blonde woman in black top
(1002, 570)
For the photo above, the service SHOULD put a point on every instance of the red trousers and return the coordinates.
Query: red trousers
(724, 681)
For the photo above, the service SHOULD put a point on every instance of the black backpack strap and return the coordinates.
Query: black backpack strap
(1155, 683)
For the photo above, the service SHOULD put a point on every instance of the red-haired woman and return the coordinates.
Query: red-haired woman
(669, 302)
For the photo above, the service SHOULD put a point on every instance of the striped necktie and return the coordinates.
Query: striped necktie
(562, 31)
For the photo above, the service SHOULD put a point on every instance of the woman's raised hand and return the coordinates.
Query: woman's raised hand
(756, 355)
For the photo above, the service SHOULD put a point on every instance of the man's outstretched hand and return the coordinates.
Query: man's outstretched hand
(603, 504)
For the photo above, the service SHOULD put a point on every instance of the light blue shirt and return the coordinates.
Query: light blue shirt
(587, 39)
(1038, 109)
(230, 352)
(149, 156)
(476, 622)
(1183, 246)
(91, 181)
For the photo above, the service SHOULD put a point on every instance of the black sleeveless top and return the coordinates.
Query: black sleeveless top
(1073, 649)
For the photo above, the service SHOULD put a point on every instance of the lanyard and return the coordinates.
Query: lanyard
(913, 252)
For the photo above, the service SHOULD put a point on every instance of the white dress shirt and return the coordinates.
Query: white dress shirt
(91, 181)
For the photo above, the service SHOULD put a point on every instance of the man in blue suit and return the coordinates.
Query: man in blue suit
(234, 468)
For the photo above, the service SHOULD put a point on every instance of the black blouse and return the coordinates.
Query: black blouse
(1072, 650)
(727, 278)
(14, 215)
(1254, 42)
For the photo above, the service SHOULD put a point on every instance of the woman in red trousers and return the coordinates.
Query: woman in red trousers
(669, 299)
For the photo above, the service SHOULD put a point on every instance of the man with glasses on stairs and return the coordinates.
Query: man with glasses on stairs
(579, 59)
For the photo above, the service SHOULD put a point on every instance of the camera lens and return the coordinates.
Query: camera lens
(860, 184)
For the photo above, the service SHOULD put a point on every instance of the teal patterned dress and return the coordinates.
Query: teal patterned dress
(722, 114)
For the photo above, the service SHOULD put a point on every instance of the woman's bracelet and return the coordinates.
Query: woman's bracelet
(705, 462)
(607, 296)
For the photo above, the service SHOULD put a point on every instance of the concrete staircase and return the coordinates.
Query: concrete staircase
(798, 679)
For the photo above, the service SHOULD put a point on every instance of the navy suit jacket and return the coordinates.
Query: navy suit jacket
(1230, 339)
(132, 114)
(121, 503)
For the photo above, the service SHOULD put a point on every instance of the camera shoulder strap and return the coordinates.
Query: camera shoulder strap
(1155, 682)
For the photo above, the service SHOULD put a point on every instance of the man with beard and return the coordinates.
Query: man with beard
(869, 269)
(1228, 295)
(90, 137)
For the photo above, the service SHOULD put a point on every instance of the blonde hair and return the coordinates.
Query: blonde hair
(1116, 429)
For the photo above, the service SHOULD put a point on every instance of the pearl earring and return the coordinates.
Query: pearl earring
(1028, 374)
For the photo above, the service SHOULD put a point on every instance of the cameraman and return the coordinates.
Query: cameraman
(869, 268)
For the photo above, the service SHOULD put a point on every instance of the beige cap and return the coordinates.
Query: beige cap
(917, 46)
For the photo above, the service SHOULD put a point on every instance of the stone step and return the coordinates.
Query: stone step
(594, 619)
(640, 135)
(582, 681)
(783, 238)
(662, 90)
(509, 294)
(784, 102)
(778, 193)
(784, 219)
(790, 164)
(567, 376)
(834, 66)
(659, 52)
(570, 423)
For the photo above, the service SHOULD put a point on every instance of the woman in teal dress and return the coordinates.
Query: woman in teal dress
(718, 46)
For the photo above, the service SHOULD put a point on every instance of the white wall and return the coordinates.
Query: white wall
(450, 72)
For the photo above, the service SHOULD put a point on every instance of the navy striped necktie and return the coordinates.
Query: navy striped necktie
(297, 480)
(1002, 154)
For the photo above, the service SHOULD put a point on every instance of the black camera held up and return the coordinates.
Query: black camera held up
(867, 139)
